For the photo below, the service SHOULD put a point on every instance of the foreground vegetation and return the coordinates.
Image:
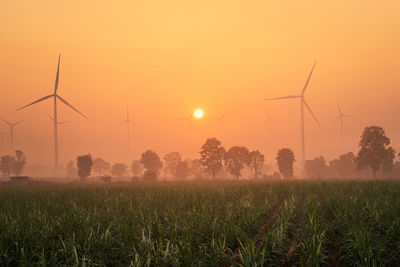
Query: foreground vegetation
(201, 224)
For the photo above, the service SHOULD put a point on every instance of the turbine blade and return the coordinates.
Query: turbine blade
(9, 123)
(340, 110)
(18, 122)
(312, 113)
(64, 122)
(308, 80)
(37, 101)
(338, 117)
(125, 121)
(282, 97)
(51, 118)
(58, 74)
(345, 115)
(69, 105)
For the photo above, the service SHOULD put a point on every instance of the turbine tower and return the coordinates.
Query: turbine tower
(303, 103)
(55, 96)
(221, 121)
(127, 122)
(268, 121)
(340, 117)
(12, 125)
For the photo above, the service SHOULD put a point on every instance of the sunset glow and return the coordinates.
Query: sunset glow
(198, 113)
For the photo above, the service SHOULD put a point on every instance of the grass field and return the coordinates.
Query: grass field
(305, 223)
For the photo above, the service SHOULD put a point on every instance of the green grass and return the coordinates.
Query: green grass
(200, 223)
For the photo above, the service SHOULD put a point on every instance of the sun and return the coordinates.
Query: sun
(198, 113)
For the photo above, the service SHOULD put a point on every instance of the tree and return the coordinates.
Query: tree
(196, 169)
(152, 164)
(171, 162)
(71, 169)
(285, 159)
(6, 165)
(182, 170)
(84, 164)
(235, 160)
(137, 168)
(374, 151)
(150, 176)
(256, 162)
(211, 156)
(316, 168)
(100, 165)
(344, 167)
(19, 163)
(119, 169)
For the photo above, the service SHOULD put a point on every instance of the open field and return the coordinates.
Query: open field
(201, 223)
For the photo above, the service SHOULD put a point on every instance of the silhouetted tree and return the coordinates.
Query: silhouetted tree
(84, 164)
(212, 154)
(196, 169)
(374, 151)
(150, 176)
(182, 170)
(100, 165)
(171, 162)
(344, 167)
(71, 169)
(118, 169)
(256, 162)
(285, 159)
(6, 165)
(235, 160)
(137, 168)
(19, 163)
(316, 168)
(152, 164)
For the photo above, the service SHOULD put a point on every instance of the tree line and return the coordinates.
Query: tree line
(375, 156)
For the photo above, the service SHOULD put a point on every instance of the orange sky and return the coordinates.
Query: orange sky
(165, 58)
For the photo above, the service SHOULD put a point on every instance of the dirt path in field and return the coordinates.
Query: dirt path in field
(332, 234)
(291, 258)
(271, 218)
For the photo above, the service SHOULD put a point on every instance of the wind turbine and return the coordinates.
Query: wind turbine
(221, 120)
(127, 122)
(55, 96)
(303, 103)
(340, 117)
(12, 125)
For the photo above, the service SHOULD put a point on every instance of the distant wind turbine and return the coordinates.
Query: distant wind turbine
(60, 122)
(12, 125)
(340, 117)
(221, 121)
(55, 96)
(127, 122)
(303, 103)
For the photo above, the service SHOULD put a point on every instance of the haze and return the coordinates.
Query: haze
(166, 58)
